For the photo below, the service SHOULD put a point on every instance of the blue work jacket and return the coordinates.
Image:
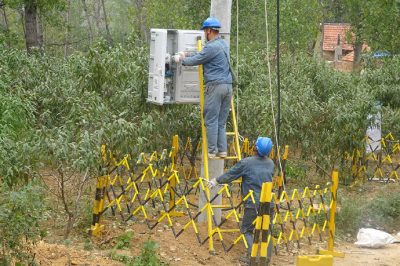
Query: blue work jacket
(214, 58)
(254, 170)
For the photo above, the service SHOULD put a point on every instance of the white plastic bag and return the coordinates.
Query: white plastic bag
(372, 238)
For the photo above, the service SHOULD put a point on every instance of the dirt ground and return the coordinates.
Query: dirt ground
(186, 251)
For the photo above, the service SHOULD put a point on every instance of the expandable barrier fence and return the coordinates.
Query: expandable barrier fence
(164, 188)
(381, 163)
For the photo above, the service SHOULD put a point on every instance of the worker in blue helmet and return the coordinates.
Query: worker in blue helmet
(218, 85)
(255, 171)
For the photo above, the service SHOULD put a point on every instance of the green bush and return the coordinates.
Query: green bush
(124, 240)
(148, 256)
(383, 78)
(324, 112)
(384, 211)
(349, 218)
(21, 211)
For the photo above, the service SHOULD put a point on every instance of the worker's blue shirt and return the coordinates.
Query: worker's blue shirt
(254, 171)
(214, 58)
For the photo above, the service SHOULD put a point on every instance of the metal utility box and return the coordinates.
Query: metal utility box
(171, 82)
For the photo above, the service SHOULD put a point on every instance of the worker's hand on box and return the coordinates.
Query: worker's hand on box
(212, 183)
(182, 55)
(178, 57)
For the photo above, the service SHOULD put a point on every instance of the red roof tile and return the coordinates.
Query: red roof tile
(331, 32)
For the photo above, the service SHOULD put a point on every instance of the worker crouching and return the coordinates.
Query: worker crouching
(255, 171)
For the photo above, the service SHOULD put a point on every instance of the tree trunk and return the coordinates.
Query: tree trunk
(40, 31)
(66, 36)
(97, 16)
(90, 31)
(5, 18)
(357, 55)
(6, 27)
(109, 38)
(141, 19)
(21, 12)
(31, 32)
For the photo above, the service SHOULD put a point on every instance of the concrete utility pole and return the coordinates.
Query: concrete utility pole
(220, 9)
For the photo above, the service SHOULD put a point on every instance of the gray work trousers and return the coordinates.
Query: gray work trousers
(217, 100)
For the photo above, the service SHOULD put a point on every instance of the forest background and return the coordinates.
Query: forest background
(73, 75)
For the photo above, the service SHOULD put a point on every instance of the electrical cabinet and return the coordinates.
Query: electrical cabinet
(171, 82)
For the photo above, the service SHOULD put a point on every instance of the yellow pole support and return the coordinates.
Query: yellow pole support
(98, 207)
(285, 153)
(245, 147)
(235, 129)
(175, 148)
(332, 213)
(205, 153)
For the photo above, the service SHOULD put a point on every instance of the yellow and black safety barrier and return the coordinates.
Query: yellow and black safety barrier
(262, 225)
(379, 164)
(156, 189)
(296, 217)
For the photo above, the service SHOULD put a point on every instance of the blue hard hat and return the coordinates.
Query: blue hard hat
(264, 146)
(211, 23)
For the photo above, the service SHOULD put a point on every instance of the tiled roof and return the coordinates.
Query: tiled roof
(331, 32)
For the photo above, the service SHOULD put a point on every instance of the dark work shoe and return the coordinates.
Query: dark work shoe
(244, 260)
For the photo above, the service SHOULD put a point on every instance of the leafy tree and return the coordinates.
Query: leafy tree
(21, 211)
(373, 22)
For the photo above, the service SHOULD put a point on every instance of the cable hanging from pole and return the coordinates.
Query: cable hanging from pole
(237, 62)
(278, 77)
(271, 93)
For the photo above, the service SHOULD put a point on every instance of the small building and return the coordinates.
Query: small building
(337, 49)
(337, 46)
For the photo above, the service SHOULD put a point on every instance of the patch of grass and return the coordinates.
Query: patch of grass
(349, 219)
(147, 257)
(385, 211)
(88, 245)
(381, 212)
(124, 240)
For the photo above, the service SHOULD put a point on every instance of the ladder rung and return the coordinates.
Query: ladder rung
(230, 133)
(229, 230)
(221, 206)
(231, 158)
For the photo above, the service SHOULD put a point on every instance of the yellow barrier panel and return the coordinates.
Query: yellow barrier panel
(380, 164)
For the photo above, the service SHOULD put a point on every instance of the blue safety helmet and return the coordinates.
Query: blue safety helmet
(264, 146)
(211, 23)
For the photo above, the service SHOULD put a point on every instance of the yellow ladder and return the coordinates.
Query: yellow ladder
(235, 134)
(236, 156)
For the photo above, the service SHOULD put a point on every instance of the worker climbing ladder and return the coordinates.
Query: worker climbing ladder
(236, 156)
